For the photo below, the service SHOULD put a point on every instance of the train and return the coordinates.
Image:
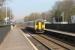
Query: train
(38, 25)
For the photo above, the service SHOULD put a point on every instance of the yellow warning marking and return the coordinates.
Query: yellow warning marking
(40, 24)
(43, 26)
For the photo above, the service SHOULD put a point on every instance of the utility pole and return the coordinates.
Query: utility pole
(6, 11)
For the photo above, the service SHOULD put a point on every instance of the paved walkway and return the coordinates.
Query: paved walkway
(15, 41)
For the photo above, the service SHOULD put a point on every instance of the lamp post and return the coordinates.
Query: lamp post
(6, 12)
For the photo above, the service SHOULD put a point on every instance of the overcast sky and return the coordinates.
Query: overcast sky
(21, 8)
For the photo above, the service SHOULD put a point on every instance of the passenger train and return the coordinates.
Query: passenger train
(38, 25)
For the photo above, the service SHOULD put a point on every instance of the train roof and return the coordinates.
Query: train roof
(39, 20)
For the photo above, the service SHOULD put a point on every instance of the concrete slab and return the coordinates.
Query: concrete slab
(15, 41)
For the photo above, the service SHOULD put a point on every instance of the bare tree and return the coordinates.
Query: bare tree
(3, 11)
(33, 17)
(1, 2)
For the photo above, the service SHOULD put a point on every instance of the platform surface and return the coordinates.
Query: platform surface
(15, 41)
(61, 32)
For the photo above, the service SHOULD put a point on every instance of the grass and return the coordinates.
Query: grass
(4, 26)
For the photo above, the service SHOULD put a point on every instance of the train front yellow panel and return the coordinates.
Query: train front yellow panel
(39, 25)
(43, 26)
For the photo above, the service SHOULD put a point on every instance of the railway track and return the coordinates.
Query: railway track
(51, 43)
(60, 43)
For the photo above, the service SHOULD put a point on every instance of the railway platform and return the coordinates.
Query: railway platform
(61, 32)
(16, 41)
